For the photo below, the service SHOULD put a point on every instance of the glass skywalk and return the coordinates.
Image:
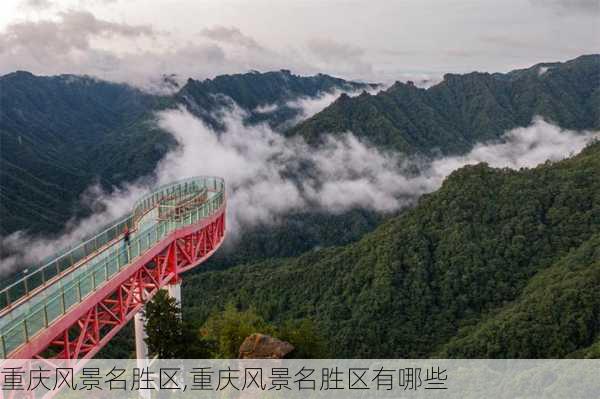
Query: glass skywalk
(34, 301)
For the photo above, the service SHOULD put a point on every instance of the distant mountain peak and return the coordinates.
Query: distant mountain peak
(464, 109)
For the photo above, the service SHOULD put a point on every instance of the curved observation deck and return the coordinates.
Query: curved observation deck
(72, 304)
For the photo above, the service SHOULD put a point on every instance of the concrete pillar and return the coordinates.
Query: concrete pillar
(141, 349)
(175, 291)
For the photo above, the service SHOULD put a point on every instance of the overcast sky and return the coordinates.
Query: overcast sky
(375, 40)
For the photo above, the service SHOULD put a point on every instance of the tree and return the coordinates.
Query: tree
(227, 330)
(164, 327)
(308, 342)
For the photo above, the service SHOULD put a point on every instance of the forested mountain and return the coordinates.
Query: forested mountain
(487, 266)
(51, 129)
(496, 263)
(556, 315)
(264, 95)
(465, 109)
(61, 134)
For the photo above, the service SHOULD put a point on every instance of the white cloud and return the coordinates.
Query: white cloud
(330, 50)
(571, 6)
(77, 42)
(36, 4)
(310, 106)
(25, 249)
(266, 108)
(231, 35)
(345, 57)
(374, 40)
(74, 41)
(341, 174)
(73, 31)
(522, 148)
(542, 70)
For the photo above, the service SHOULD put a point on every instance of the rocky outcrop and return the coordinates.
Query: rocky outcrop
(260, 346)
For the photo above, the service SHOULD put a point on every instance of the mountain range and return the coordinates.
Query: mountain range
(496, 263)
(61, 134)
(462, 110)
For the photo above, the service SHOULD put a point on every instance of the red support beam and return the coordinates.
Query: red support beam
(88, 326)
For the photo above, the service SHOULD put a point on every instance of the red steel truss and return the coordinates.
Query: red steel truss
(86, 328)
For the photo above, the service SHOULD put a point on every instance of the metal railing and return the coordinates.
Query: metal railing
(89, 276)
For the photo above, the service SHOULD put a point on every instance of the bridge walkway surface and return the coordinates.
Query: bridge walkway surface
(76, 301)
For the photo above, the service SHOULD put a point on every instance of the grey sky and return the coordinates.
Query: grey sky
(377, 40)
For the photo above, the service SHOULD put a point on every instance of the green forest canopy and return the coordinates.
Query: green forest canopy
(497, 263)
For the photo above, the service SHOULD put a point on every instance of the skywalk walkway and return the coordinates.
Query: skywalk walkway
(75, 302)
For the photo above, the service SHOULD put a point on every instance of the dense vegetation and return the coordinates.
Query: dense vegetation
(465, 109)
(558, 314)
(61, 134)
(254, 90)
(224, 331)
(51, 132)
(298, 233)
(496, 263)
(169, 336)
(164, 327)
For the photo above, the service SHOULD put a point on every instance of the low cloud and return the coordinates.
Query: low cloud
(268, 175)
(524, 147)
(73, 31)
(36, 4)
(20, 248)
(590, 7)
(347, 57)
(77, 42)
(310, 106)
(333, 51)
(231, 35)
(543, 70)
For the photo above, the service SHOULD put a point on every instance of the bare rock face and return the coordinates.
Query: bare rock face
(260, 346)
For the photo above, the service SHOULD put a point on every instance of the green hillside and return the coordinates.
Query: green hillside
(61, 134)
(51, 129)
(496, 263)
(254, 90)
(465, 109)
(557, 315)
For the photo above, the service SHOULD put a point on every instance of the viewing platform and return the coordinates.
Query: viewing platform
(73, 304)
